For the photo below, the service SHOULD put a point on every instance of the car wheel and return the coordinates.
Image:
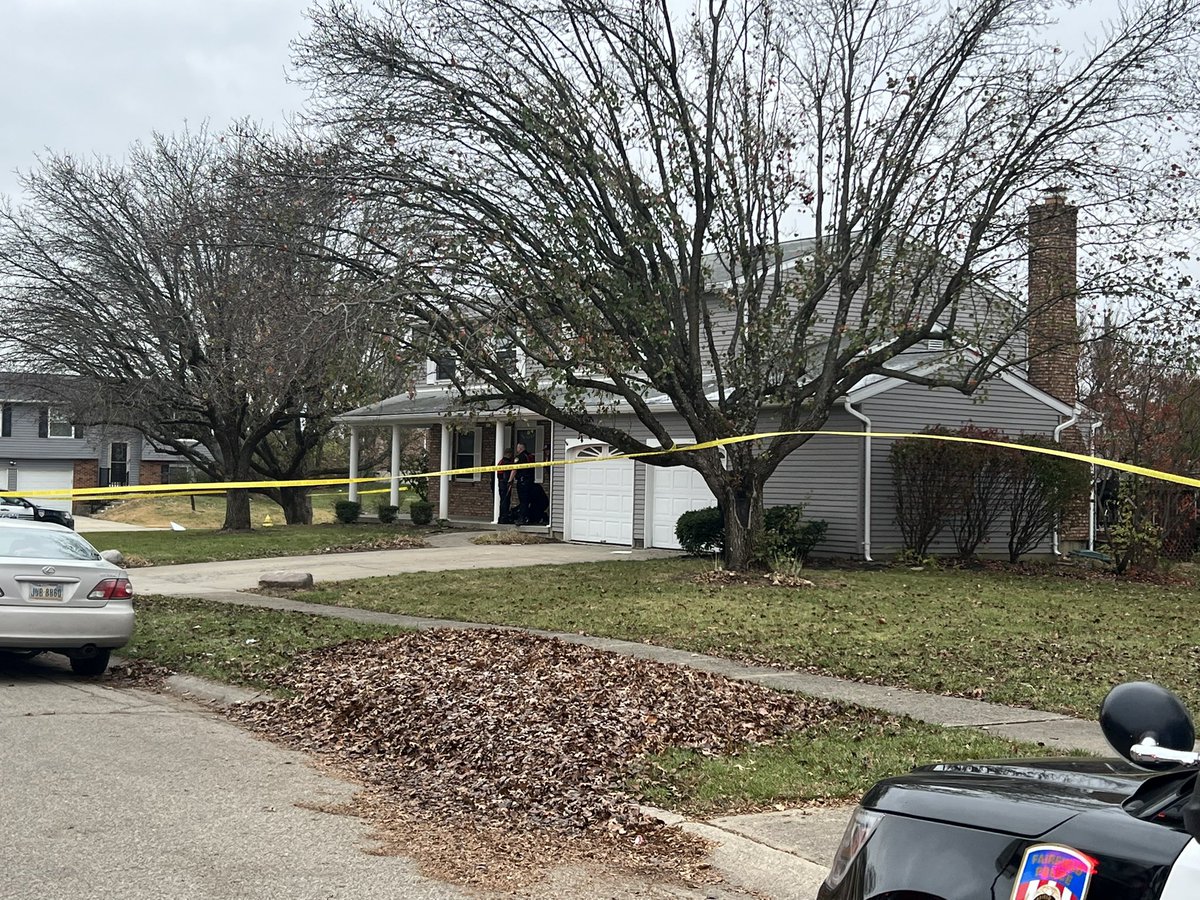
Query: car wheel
(91, 665)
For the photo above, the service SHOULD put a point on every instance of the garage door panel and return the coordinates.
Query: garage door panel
(50, 479)
(676, 490)
(601, 502)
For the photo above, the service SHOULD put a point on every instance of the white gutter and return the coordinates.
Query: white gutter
(1096, 426)
(1059, 429)
(866, 477)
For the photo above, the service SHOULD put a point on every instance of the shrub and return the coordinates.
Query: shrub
(388, 513)
(701, 531)
(788, 536)
(931, 488)
(347, 511)
(1043, 489)
(988, 471)
(421, 512)
(1134, 539)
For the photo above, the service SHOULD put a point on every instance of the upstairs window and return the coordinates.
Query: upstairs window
(440, 369)
(6, 420)
(58, 425)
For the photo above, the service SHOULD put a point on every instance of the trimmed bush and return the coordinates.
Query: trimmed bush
(701, 531)
(421, 512)
(788, 535)
(388, 513)
(347, 511)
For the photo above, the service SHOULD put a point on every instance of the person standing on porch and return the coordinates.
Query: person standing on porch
(524, 484)
(504, 481)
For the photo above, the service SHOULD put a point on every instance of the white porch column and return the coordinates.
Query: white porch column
(444, 480)
(496, 476)
(394, 493)
(353, 462)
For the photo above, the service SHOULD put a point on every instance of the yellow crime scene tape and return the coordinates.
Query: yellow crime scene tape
(212, 487)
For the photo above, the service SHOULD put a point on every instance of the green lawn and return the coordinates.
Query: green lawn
(1044, 641)
(838, 760)
(170, 547)
(236, 644)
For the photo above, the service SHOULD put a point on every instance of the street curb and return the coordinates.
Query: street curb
(757, 867)
(213, 693)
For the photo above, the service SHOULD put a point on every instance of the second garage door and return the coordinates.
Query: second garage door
(49, 479)
(600, 498)
(672, 492)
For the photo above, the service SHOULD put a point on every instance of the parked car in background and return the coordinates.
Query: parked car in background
(57, 594)
(19, 508)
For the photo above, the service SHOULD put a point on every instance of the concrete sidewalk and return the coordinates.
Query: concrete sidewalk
(779, 854)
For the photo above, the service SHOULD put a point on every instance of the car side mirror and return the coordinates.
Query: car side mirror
(1139, 710)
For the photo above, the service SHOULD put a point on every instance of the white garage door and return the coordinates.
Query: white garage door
(55, 479)
(600, 499)
(674, 491)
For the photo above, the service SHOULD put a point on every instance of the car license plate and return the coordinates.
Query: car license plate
(45, 592)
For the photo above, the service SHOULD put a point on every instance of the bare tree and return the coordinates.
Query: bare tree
(190, 290)
(613, 188)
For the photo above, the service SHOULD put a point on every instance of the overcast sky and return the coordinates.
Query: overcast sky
(93, 76)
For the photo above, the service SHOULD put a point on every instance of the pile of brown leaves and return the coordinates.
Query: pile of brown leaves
(752, 579)
(509, 728)
(399, 542)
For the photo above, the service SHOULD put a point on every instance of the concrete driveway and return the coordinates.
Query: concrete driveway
(453, 550)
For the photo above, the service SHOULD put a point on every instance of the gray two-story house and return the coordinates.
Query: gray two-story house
(43, 448)
(842, 476)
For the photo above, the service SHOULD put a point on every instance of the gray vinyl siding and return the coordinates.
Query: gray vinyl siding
(912, 408)
(825, 476)
(25, 443)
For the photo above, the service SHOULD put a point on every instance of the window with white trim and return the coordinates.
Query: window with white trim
(467, 453)
(58, 425)
(441, 369)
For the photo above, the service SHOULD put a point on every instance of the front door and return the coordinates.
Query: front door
(118, 464)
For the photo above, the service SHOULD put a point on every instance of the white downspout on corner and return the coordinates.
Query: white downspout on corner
(352, 493)
(1058, 430)
(1096, 426)
(866, 476)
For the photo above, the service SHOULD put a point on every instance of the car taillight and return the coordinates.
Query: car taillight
(112, 589)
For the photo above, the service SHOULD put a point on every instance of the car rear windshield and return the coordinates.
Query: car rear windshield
(44, 543)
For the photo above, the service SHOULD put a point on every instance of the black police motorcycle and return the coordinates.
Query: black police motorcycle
(1055, 829)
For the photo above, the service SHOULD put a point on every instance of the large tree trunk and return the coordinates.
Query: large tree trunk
(742, 509)
(297, 505)
(237, 510)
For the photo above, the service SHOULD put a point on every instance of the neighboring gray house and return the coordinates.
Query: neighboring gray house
(844, 479)
(42, 449)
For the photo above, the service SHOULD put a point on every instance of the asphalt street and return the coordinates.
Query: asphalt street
(119, 793)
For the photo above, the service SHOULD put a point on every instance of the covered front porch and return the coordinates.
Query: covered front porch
(469, 498)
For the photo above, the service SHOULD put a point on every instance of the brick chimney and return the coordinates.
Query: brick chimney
(1053, 324)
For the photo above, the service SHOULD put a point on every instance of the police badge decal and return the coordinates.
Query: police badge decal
(1051, 872)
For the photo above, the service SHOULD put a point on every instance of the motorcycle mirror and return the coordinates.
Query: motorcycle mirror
(1140, 709)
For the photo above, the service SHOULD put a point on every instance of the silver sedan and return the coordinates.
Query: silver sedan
(58, 594)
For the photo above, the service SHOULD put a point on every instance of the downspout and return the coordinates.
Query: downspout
(866, 477)
(1096, 426)
(1059, 429)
